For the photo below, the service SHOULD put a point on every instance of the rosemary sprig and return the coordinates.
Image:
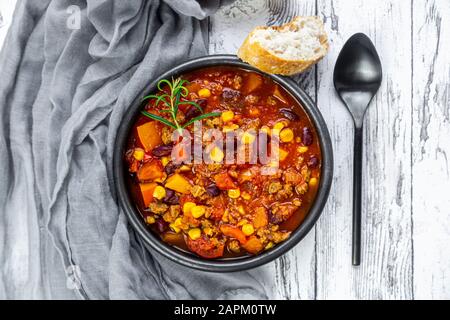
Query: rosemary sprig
(173, 101)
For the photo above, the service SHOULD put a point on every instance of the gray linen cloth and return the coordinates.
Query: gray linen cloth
(63, 92)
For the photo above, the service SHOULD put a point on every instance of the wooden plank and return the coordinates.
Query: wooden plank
(431, 149)
(386, 269)
(293, 275)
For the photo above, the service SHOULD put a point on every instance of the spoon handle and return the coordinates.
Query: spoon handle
(357, 184)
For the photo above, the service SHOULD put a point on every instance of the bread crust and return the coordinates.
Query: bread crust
(254, 54)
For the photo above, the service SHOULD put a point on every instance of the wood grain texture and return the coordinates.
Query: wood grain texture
(386, 269)
(431, 149)
(293, 274)
(405, 253)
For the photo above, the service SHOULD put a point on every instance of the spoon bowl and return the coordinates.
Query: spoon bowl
(358, 75)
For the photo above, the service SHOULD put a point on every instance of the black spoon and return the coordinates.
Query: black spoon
(357, 78)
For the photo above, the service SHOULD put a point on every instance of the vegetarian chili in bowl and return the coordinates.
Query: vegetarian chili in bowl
(212, 201)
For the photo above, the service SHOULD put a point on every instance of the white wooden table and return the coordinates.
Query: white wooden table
(406, 218)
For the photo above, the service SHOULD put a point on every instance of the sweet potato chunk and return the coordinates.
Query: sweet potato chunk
(252, 83)
(224, 181)
(173, 238)
(260, 218)
(178, 183)
(149, 135)
(150, 171)
(253, 245)
(193, 87)
(233, 232)
(147, 192)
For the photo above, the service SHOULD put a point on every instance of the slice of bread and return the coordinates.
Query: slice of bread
(288, 49)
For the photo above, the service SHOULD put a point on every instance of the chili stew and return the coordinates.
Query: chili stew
(217, 209)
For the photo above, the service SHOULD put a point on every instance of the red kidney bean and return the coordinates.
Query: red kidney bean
(289, 114)
(213, 190)
(307, 136)
(171, 197)
(191, 113)
(313, 162)
(161, 225)
(203, 103)
(171, 167)
(162, 151)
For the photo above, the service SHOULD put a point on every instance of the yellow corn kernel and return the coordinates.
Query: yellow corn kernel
(195, 233)
(165, 161)
(287, 135)
(302, 149)
(246, 196)
(279, 126)
(248, 138)
(187, 207)
(178, 222)
(248, 229)
(159, 192)
(204, 93)
(234, 193)
(216, 154)
(297, 202)
(150, 220)
(269, 246)
(227, 116)
(208, 231)
(230, 128)
(138, 154)
(198, 211)
(241, 210)
(242, 222)
(313, 182)
(225, 216)
(298, 139)
(176, 225)
(282, 154)
(185, 168)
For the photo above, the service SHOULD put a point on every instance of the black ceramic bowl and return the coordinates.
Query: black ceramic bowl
(153, 242)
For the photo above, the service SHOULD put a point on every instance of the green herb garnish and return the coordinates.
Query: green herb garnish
(173, 101)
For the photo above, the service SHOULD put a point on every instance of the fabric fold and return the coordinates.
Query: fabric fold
(63, 93)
